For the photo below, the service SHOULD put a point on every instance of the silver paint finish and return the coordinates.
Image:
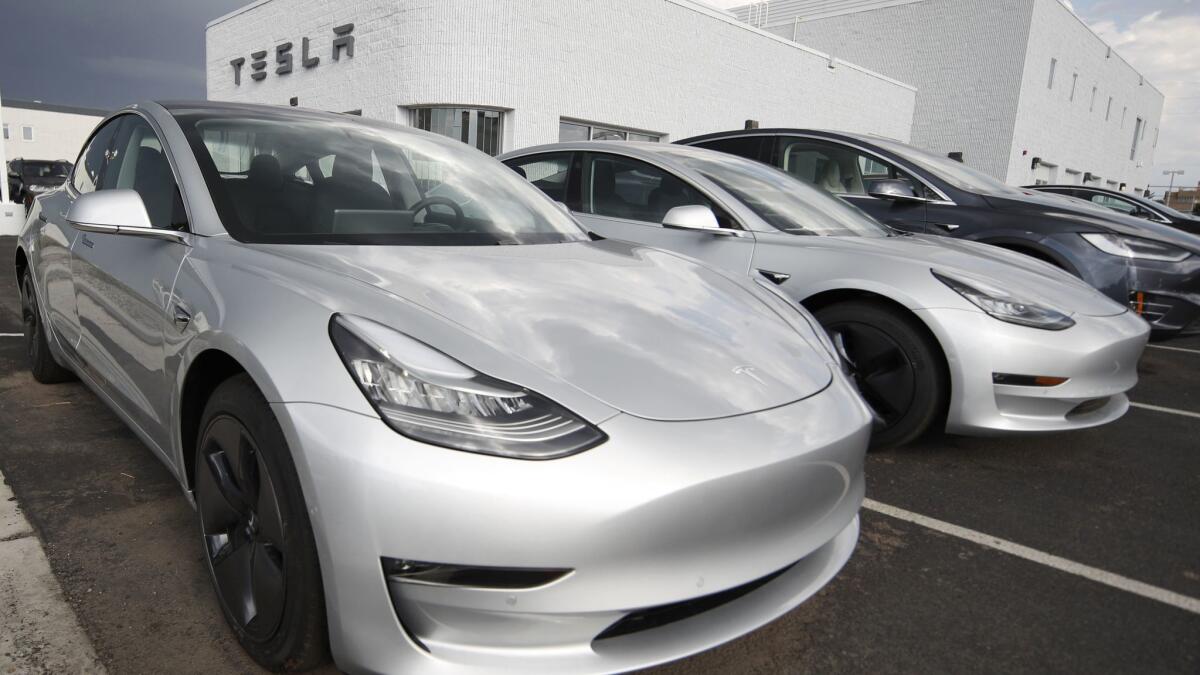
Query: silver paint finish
(1099, 354)
(760, 466)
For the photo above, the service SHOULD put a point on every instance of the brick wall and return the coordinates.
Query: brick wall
(666, 66)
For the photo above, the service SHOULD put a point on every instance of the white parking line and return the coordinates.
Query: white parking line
(12, 335)
(1062, 564)
(1175, 349)
(1159, 408)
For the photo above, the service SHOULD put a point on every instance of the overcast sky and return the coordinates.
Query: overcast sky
(111, 52)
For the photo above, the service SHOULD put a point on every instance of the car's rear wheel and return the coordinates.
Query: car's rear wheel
(896, 365)
(41, 362)
(258, 541)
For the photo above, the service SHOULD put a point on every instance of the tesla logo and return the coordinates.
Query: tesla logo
(343, 44)
(749, 372)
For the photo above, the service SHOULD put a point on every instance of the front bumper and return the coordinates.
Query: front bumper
(1099, 355)
(661, 514)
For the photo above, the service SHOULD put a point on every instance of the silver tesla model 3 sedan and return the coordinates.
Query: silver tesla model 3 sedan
(988, 340)
(415, 402)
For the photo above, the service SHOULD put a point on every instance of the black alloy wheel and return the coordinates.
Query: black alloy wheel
(257, 537)
(896, 368)
(242, 528)
(41, 362)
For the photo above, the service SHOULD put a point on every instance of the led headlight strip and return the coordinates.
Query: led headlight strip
(428, 396)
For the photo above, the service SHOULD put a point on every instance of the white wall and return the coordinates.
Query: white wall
(1070, 133)
(981, 68)
(668, 66)
(964, 56)
(56, 135)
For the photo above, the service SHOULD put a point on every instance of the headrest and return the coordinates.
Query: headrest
(265, 172)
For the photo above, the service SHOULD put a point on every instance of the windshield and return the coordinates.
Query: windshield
(1163, 208)
(32, 169)
(785, 202)
(300, 178)
(955, 173)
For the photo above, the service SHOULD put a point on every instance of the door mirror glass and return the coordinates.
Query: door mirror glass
(694, 217)
(111, 211)
(894, 190)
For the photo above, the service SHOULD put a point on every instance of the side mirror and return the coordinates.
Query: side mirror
(695, 217)
(894, 190)
(116, 212)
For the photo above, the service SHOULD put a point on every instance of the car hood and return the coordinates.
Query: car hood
(645, 331)
(1020, 274)
(1092, 217)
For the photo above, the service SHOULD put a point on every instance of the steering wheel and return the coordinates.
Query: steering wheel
(424, 204)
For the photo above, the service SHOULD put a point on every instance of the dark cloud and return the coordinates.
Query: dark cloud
(105, 53)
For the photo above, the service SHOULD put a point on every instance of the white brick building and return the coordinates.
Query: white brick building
(1002, 81)
(36, 130)
(505, 74)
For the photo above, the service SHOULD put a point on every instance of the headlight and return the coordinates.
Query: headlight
(1136, 248)
(432, 398)
(1002, 305)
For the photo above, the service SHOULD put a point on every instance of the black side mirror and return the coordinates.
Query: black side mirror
(894, 190)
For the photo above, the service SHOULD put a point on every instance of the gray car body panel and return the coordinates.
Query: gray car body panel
(763, 480)
(1099, 354)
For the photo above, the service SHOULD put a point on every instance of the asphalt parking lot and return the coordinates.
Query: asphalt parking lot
(1098, 569)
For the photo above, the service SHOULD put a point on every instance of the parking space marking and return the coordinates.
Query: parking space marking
(12, 335)
(1062, 564)
(1175, 349)
(1159, 408)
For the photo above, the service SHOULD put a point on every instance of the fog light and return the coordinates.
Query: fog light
(1028, 380)
(470, 576)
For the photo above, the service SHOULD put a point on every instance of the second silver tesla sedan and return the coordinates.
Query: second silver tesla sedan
(988, 340)
(416, 404)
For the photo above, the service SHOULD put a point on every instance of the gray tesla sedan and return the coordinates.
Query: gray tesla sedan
(421, 412)
(934, 329)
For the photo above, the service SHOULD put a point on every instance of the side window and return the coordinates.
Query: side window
(838, 169)
(90, 165)
(138, 163)
(1114, 203)
(750, 147)
(551, 174)
(619, 187)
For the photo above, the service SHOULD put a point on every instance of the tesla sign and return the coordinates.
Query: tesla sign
(343, 45)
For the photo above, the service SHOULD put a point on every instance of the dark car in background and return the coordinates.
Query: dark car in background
(1130, 205)
(28, 178)
(1153, 267)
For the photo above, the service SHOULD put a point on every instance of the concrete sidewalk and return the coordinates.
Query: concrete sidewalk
(38, 631)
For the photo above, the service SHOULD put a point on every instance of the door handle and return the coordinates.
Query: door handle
(181, 317)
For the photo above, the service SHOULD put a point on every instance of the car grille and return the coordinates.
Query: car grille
(656, 617)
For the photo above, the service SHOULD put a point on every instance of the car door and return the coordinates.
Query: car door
(624, 198)
(56, 237)
(124, 284)
(847, 172)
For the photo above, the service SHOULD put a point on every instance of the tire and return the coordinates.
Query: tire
(897, 366)
(255, 532)
(41, 361)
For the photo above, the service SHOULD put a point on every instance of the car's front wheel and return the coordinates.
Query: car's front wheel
(41, 362)
(896, 365)
(258, 541)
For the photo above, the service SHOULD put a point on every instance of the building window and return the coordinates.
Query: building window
(1053, 65)
(480, 128)
(1074, 81)
(1124, 113)
(1138, 130)
(6, 131)
(27, 133)
(1108, 110)
(584, 131)
(1092, 105)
